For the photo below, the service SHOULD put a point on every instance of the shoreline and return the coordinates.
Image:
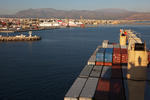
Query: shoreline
(51, 28)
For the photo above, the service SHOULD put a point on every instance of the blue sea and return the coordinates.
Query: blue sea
(45, 69)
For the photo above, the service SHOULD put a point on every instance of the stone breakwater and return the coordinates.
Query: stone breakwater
(19, 38)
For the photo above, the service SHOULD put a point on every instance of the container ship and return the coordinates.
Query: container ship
(115, 71)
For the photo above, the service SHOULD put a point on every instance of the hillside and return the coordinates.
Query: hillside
(112, 14)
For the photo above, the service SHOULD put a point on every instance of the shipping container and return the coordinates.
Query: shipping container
(116, 66)
(124, 51)
(96, 72)
(123, 46)
(108, 57)
(92, 60)
(86, 71)
(117, 56)
(89, 89)
(75, 90)
(100, 55)
(124, 56)
(124, 72)
(99, 63)
(107, 63)
(102, 90)
(91, 63)
(117, 46)
(106, 72)
(109, 50)
(105, 44)
(114, 43)
(116, 90)
(116, 50)
(101, 50)
(116, 72)
(110, 46)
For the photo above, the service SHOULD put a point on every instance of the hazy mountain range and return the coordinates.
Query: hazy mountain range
(111, 13)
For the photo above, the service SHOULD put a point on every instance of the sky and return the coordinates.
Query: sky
(13, 6)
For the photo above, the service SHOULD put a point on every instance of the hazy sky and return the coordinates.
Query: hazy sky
(12, 6)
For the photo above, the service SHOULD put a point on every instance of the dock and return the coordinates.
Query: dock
(13, 38)
(20, 38)
(111, 75)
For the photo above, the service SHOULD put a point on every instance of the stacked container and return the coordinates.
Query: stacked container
(86, 71)
(116, 72)
(124, 71)
(75, 90)
(116, 90)
(102, 90)
(123, 46)
(103, 86)
(89, 89)
(106, 72)
(96, 72)
(110, 46)
(116, 56)
(108, 56)
(116, 46)
(100, 57)
(116, 85)
(105, 44)
(92, 59)
(124, 56)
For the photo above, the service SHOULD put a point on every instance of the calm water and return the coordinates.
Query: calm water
(45, 70)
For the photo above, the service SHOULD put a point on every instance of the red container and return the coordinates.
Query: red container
(116, 67)
(124, 56)
(116, 73)
(123, 51)
(116, 90)
(116, 50)
(102, 90)
(114, 43)
(107, 64)
(99, 63)
(116, 56)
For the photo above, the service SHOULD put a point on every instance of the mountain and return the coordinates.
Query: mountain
(88, 14)
(110, 13)
(139, 16)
